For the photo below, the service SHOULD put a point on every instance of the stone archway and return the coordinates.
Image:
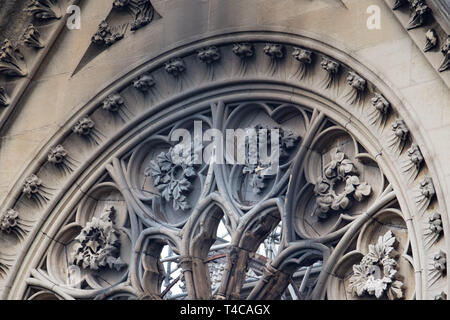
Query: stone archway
(357, 201)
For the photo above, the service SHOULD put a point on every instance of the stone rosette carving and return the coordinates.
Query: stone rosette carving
(431, 40)
(209, 55)
(340, 169)
(107, 35)
(84, 126)
(97, 245)
(144, 82)
(31, 37)
(175, 67)
(172, 175)
(4, 98)
(358, 85)
(375, 275)
(9, 220)
(243, 50)
(44, 9)
(445, 49)
(11, 60)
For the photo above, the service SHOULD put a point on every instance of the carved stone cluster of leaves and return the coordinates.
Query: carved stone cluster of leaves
(4, 99)
(431, 40)
(418, 11)
(84, 126)
(302, 55)
(11, 60)
(243, 50)
(209, 55)
(32, 185)
(113, 102)
(175, 67)
(415, 156)
(98, 244)
(31, 37)
(9, 220)
(44, 9)
(172, 176)
(400, 130)
(376, 273)
(380, 103)
(435, 223)
(445, 49)
(105, 35)
(355, 81)
(57, 155)
(274, 50)
(329, 65)
(259, 170)
(144, 83)
(440, 262)
(340, 169)
(427, 188)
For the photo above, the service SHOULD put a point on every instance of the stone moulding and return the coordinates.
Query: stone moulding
(115, 141)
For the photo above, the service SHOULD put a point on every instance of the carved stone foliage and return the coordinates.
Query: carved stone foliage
(445, 49)
(172, 176)
(44, 9)
(375, 274)
(431, 40)
(107, 35)
(11, 60)
(98, 244)
(309, 212)
(4, 99)
(419, 9)
(339, 170)
(31, 37)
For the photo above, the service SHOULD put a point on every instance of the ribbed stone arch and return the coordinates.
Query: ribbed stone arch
(206, 87)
